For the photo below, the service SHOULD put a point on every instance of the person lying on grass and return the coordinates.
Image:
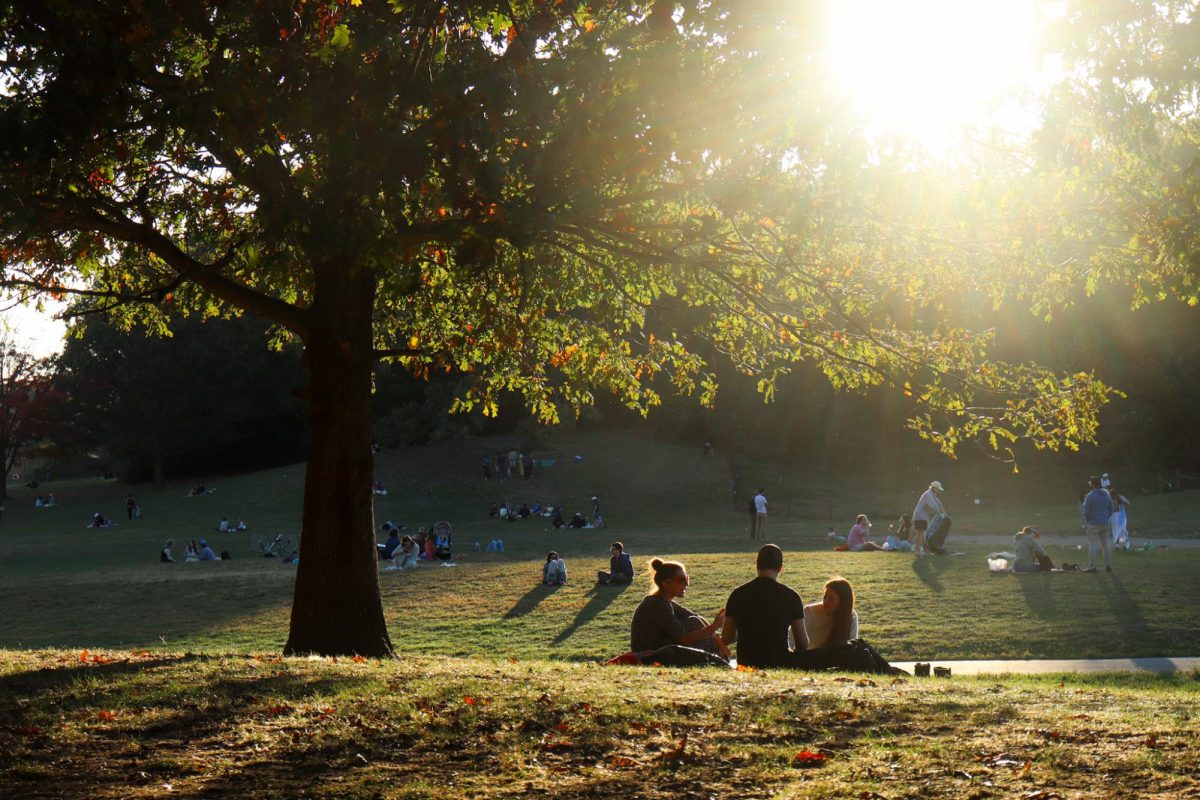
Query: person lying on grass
(659, 621)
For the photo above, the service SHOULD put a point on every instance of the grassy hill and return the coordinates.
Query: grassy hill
(68, 586)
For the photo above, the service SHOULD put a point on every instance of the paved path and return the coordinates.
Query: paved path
(1005, 541)
(1033, 667)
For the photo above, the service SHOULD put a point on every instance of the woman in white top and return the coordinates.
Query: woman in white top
(833, 619)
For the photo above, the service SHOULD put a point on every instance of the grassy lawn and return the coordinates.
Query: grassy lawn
(67, 586)
(132, 725)
(127, 678)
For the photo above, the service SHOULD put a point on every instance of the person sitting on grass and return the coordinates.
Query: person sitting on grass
(1031, 556)
(577, 521)
(557, 520)
(407, 554)
(165, 556)
(620, 566)
(193, 551)
(554, 571)
(388, 548)
(206, 553)
(833, 619)
(223, 525)
(659, 621)
(99, 521)
(859, 540)
(902, 530)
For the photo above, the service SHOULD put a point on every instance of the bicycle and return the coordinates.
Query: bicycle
(280, 545)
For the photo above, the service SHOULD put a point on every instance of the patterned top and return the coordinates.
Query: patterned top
(657, 622)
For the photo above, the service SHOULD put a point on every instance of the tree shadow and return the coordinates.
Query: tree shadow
(530, 600)
(929, 570)
(602, 598)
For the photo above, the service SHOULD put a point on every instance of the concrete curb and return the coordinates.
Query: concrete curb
(1161, 665)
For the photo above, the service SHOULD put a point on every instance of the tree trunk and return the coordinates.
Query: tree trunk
(336, 609)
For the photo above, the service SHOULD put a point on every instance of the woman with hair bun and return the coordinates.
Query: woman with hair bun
(659, 621)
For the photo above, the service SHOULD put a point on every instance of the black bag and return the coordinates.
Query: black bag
(677, 655)
(935, 537)
(854, 656)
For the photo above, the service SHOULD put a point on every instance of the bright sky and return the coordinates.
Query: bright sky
(34, 331)
(927, 68)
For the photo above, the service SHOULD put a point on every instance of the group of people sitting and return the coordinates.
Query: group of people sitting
(766, 620)
(225, 526)
(44, 502)
(406, 551)
(512, 512)
(196, 551)
(620, 568)
(923, 532)
(198, 490)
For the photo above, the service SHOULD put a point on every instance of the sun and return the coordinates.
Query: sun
(927, 69)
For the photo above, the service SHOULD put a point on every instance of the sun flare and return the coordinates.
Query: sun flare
(927, 68)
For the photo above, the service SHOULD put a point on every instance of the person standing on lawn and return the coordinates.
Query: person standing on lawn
(928, 507)
(1097, 510)
(759, 534)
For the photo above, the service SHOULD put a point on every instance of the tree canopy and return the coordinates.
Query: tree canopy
(550, 198)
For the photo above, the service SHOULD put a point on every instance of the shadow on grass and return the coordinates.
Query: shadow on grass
(530, 600)
(929, 569)
(602, 598)
(1124, 608)
(1037, 587)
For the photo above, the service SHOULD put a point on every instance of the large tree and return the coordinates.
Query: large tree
(547, 197)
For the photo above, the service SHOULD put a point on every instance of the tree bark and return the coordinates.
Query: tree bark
(336, 609)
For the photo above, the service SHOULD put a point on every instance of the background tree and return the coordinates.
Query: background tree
(208, 398)
(29, 405)
(547, 198)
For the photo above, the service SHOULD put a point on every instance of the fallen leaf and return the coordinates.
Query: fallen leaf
(807, 758)
(1041, 794)
(623, 762)
(359, 659)
(107, 716)
(678, 752)
(1152, 741)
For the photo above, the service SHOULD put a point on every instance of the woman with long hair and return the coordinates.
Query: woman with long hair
(660, 621)
(833, 619)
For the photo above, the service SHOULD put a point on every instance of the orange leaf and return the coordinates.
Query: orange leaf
(107, 716)
(359, 659)
(512, 34)
(471, 701)
(83, 656)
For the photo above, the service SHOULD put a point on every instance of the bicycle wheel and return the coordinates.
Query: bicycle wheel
(285, 546)
(261, 544)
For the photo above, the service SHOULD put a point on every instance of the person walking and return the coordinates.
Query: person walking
(130, 506)
(1097, 510)
(759, 534)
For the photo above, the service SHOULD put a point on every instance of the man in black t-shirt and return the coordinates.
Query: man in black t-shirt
(759, 614)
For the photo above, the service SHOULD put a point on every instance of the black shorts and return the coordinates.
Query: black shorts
(921, 524)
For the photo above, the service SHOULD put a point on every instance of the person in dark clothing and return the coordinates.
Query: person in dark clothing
(130, 506)
(759, 615)
(577, 521)
(620, 566)
(557, 520)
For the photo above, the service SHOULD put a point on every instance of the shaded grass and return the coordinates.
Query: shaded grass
(146, 725)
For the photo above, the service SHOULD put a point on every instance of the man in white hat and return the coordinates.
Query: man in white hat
(928, 507)
(1105, 483)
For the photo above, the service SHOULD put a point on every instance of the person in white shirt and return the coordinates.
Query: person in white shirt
(833, 619)
(760, 516)
(928, 507)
